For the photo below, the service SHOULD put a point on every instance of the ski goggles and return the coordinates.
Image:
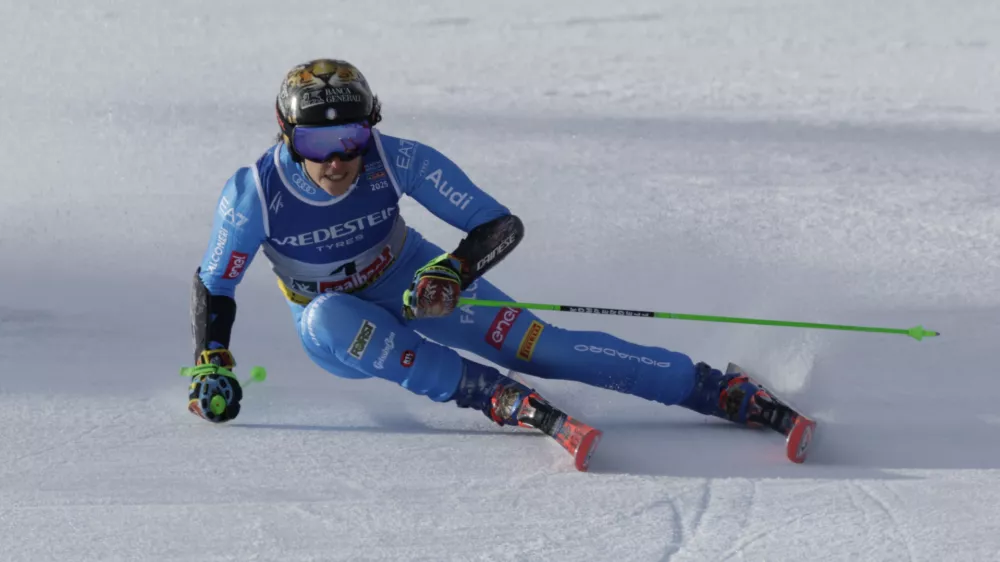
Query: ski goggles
(321, 144)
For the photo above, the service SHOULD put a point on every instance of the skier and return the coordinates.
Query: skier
(366, 290)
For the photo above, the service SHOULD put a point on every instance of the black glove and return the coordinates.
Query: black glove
(214, 393)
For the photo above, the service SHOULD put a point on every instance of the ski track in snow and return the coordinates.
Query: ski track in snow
(892, 526)
(740, 541)
(676, 524)
(683, 535)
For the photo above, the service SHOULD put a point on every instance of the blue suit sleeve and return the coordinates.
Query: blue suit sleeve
(238, 230)
(439, 184)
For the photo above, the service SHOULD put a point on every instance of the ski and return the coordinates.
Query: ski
(776, 414)
(799, 438)
(577, 438)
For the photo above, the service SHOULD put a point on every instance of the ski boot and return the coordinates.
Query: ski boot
(503, 399)
(733, 396)
(737, 397)
(508, 402)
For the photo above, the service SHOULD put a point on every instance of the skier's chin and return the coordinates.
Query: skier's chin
(336, 186)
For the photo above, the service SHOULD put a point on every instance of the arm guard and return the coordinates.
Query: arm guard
(486, 245)
(212, 317)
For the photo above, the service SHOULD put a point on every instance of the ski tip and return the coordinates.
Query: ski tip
(733, 368)
(586, 449)
(799, 439)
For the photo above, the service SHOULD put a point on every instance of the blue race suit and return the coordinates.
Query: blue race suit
(343, 264)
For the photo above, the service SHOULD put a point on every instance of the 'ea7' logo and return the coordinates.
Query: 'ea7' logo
(405, 156)
(231, 215)
(361, 341)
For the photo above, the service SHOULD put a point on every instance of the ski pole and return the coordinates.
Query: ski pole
(917, 332)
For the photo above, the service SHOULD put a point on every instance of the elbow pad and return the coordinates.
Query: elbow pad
(486, 245)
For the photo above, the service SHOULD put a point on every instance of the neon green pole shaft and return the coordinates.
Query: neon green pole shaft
(917, 332)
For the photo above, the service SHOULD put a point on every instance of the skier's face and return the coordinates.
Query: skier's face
(334, 176)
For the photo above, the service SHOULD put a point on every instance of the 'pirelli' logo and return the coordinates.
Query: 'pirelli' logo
(361, 341)
(530, 339)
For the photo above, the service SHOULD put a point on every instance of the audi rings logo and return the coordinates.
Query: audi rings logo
(615, 353)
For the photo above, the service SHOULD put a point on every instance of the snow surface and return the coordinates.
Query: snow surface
(807, 160)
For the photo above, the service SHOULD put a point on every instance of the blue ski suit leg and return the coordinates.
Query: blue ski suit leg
(353, 338)
(332, 331)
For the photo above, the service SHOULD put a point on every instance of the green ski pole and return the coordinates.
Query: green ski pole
(257, 373)
(218, 404)
(917, 332)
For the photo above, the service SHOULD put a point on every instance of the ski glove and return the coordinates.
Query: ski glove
(214, 393)
(435, 290)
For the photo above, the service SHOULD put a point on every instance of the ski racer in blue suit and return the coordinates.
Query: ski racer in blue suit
(366, 291)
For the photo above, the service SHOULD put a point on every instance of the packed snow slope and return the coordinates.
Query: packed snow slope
(816, 161)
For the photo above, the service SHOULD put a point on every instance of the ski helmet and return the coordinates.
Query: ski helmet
(324, 92)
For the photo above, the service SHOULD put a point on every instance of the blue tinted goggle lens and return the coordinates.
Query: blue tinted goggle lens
(320, 144)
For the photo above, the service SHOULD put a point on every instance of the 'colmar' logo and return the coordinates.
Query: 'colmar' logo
(330, 233)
